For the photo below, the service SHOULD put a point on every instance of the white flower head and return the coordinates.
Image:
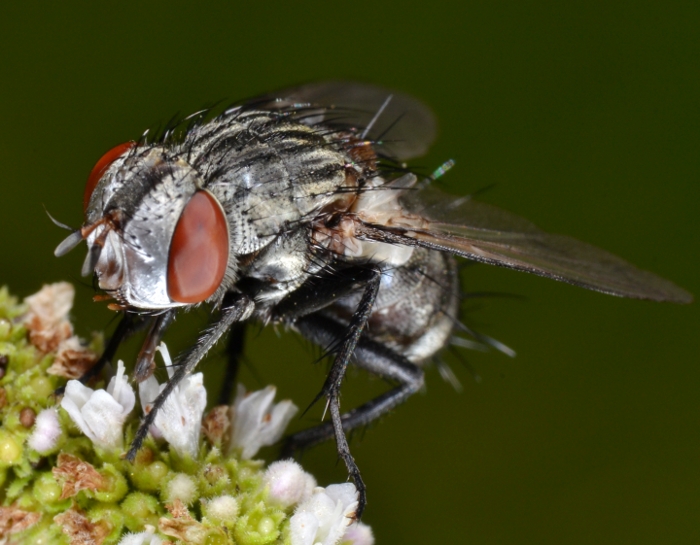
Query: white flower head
(358, 534)
(324, 518)
(257, 421)
(288, 484)
(47, 431)
(222, 508)
(100, 414)
(142, 538)
(179, 420)
(181, 487)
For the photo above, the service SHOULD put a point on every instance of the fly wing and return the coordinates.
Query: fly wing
(401, 126)
(485, 233)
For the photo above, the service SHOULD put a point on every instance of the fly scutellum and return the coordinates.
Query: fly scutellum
(295, 208)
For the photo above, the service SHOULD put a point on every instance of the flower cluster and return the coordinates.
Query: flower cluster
(65, 479)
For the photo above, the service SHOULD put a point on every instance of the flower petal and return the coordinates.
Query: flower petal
(287, 483)
(47, 431)
(258, 421)
(303, 528)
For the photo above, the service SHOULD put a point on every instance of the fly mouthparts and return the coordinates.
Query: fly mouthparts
(91, 260)
(70, 242)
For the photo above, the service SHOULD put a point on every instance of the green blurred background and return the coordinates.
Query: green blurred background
(585, 115)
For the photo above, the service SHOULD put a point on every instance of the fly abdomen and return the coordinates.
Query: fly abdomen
(416, 307)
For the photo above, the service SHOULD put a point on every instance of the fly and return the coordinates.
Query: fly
(296, 208)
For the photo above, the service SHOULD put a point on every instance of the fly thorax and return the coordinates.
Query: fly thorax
(282, 266)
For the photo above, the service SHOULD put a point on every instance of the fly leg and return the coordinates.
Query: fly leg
(331, 387)
(234, 351)
(371, 356)
(237, 308)
(129, 324)
(145, 362)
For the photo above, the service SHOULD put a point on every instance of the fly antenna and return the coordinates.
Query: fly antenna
(376, 116)
(56, 222)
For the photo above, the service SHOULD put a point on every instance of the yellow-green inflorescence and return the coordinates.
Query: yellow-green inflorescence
(59, 488)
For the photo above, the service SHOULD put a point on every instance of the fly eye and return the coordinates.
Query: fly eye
(101, 166)
(199, 250)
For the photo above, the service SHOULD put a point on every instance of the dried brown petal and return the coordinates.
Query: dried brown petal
(52, 302)
(77, 475)
(214, 474)
(178, 509)
(80, 529)
(72, 359)
(189, 531)
(216, 424)
(47, 316)
(182, 526)
(47, 337)
(13, 520)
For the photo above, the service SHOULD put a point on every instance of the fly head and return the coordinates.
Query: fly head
(156, 238)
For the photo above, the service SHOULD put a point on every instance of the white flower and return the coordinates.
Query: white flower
(324, 518)
(181, 487)
(359, 534)
(257, 421)
(101, 414)
(179, 420)
(47, 431)
(142, 538)
(222, 508)
(288, 484)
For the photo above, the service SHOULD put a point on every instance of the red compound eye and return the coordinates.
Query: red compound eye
(198, 251)
(101, 166)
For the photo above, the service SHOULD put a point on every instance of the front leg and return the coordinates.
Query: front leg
(237, 308)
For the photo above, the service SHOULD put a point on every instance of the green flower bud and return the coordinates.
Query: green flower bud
(259, 525)
(10, 449)
(42, 387)
(110, 514)
(46, 490)
(116, 485)
(149, 478)
(140, 509)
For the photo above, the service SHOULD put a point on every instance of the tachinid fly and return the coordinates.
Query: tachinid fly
(296, 208)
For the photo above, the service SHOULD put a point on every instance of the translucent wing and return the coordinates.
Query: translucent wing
(485, 233)
(402, 125)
